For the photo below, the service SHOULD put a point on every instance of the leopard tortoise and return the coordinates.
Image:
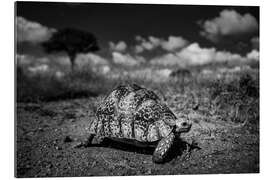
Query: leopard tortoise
(136, 115)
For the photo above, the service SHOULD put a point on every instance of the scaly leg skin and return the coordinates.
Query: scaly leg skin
(163, 147)
(87, 142)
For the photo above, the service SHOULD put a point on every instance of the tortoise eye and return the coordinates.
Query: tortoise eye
(184, 124)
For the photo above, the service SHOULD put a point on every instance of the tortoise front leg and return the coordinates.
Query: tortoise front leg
(163, 148)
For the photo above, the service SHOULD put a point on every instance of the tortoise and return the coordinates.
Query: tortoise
(136, 115)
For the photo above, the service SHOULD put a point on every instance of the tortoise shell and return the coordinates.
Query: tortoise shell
(133, 112)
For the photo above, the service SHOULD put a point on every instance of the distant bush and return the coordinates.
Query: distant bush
(47, 87)
(249, 86)
(37, 88)
(254, 64)
(181, 73)
(236, 101)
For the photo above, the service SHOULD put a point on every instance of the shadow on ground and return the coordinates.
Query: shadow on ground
(178, 148)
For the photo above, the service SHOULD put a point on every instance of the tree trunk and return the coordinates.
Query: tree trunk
(72, 60)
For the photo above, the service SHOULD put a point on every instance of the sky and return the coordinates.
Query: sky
(149, 30)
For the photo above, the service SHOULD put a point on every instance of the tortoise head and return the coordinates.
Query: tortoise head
(183, 125)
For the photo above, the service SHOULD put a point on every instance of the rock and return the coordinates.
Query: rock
(58, 148)
(67, 139)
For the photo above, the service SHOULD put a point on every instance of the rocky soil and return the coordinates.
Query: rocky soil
(48, 133)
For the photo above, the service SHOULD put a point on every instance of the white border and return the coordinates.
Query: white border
(188, 2)
(7, 87)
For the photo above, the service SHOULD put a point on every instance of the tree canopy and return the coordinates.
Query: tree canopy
(71, 41)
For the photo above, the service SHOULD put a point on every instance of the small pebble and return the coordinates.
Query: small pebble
(67, 139)
(58, 148)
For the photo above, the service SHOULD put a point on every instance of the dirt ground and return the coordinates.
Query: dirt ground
(47, 135)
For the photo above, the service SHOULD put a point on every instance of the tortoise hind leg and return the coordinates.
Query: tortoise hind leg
(163, 148)
(87, 142)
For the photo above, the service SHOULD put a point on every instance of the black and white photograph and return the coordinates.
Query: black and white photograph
(135, 89)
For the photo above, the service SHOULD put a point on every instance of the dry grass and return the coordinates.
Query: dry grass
(224, 109)
(47, 87)
(231, 97)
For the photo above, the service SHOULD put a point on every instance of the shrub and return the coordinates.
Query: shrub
(47, 87)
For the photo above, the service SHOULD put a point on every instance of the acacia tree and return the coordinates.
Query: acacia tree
(71, 41)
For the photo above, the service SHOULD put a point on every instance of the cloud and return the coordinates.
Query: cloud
(42, 68)
(144, 44)
(168, 59)
(150, 74)
(126, 59)
(29, 31)
(138, 49)
(90, 59)
(22, 59)
(222, 56)
(253, 55)
(155, 41)
(255, 42)
(228, 23)
(195, 55)
(26, 59)
(139, 38)
(173, 43)
(147, 45)
(120, 46)
(97, 63)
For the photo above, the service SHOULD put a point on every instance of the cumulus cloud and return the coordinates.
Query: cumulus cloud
(255, 42)
(228, 23)
(148, 45)
(155, 41)
(22, 59)
(253, 55)
(90, 59)
(97, 63)
(26, 59)
(126, 59)
(139, 38)
(42, 68)
(168, 59)
(222, 56)
(138, 49)
(195, 55)
(29, 31)
(173, 43)
(120, 46)
(150, 74)
(144, 44)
